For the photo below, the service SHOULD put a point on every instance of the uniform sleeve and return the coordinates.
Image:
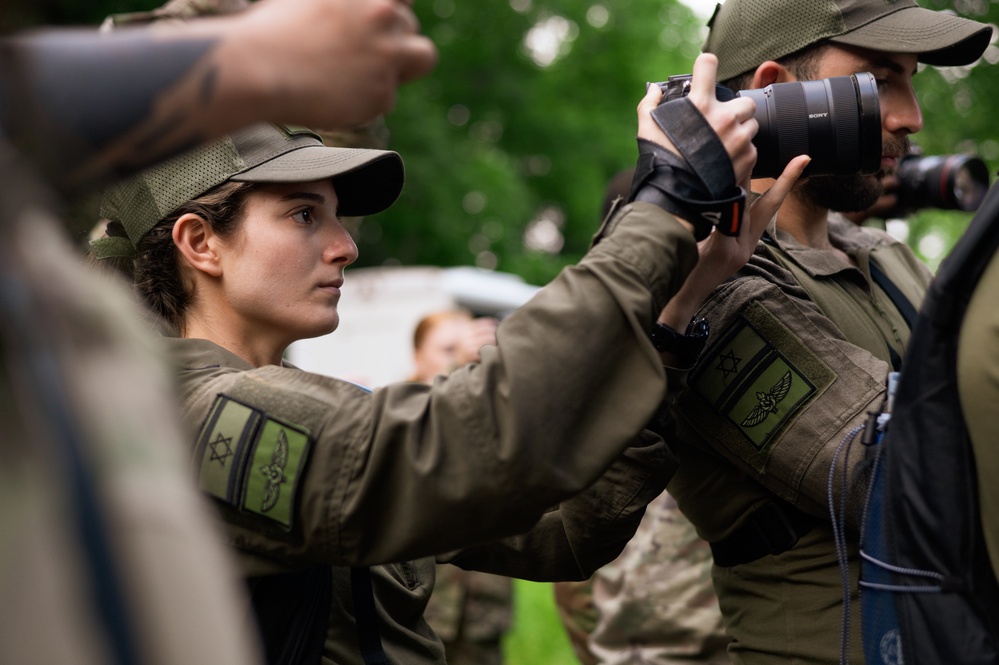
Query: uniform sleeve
(350, 477)
(778, 390)
(586, 531)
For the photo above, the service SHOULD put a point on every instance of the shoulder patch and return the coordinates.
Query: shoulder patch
(251, 461)
(756, 377)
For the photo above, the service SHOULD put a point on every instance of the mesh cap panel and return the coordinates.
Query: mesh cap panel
(141, 202)
(367, 181)
(745, 33)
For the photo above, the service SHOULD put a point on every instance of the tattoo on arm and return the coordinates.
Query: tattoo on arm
(90, 105)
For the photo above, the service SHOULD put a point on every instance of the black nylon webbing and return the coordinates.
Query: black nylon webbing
(905, 307)
(365, 617)
(901, 303)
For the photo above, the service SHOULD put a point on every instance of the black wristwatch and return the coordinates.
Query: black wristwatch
(686, 347)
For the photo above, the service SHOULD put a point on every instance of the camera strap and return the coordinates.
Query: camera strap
(700, 146)
(665, 179)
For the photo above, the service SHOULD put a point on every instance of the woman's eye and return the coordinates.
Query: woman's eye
(303, 216)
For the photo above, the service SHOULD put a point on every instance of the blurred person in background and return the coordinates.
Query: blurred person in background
(469, 610)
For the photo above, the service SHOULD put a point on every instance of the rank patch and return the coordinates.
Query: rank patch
(251, 461)
(751, 383)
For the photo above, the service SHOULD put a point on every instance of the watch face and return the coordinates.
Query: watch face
(698, 328)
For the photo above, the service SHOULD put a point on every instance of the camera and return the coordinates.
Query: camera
(948, 182)
(837, 121)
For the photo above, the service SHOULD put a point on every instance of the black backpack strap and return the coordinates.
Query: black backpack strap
(293, 612)
(367, 620)
(905, 308)
(902, 304)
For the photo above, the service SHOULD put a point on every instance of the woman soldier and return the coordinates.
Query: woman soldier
(239, 249)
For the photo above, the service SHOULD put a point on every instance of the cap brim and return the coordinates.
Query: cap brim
(937, 38)
(366, 181)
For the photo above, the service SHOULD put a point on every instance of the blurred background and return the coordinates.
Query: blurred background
(510, 143)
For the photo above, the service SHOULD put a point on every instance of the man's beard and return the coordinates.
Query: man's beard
(855, 192)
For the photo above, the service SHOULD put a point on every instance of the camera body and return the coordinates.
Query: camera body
(836, 121)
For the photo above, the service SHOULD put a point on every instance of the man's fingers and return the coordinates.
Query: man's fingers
(418, 53)
(653, 93)
(702, 87)
(744, 109)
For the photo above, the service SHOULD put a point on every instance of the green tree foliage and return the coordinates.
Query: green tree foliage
(495, 141)
(528, 115)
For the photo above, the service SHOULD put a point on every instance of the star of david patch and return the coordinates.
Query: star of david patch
(757, 377)
(221, 449)
(251, 461)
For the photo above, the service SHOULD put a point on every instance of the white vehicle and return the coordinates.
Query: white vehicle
(379, 310)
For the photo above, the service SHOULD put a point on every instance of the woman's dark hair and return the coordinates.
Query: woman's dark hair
(155, 271)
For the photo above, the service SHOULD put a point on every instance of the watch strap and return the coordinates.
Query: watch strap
(687, 346)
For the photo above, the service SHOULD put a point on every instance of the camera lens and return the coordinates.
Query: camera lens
(950, 182)
(837, 121)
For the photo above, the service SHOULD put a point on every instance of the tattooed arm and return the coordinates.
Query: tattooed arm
(86, 105)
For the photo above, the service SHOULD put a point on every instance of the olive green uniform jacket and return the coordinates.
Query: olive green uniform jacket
(799, 353)
(307, 469)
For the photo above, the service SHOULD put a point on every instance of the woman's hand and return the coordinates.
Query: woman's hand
(732, 121)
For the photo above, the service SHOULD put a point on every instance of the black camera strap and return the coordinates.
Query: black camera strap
(663, 178)
(699, 187)
(700, 146)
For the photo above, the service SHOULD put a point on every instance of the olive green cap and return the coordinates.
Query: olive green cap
(366, 181)
(746, 33)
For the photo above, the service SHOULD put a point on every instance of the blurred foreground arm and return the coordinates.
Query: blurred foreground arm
(86, 105)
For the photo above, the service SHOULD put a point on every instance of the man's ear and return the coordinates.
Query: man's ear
(196, 242)
(771, 72)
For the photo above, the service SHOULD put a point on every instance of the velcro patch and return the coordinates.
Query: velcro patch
(757, 377)
(251, 461)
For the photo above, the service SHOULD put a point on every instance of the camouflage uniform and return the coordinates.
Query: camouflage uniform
(470, 612)
(654, 603)
(175, 10)
(801, 345)
(108, 550)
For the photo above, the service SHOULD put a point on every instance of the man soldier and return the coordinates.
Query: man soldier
(802, 339)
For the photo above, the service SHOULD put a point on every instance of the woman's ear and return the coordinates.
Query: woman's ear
(196, 242)
(771, 72)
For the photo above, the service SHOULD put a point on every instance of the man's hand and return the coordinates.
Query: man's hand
(328, 63)
(114, 103)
